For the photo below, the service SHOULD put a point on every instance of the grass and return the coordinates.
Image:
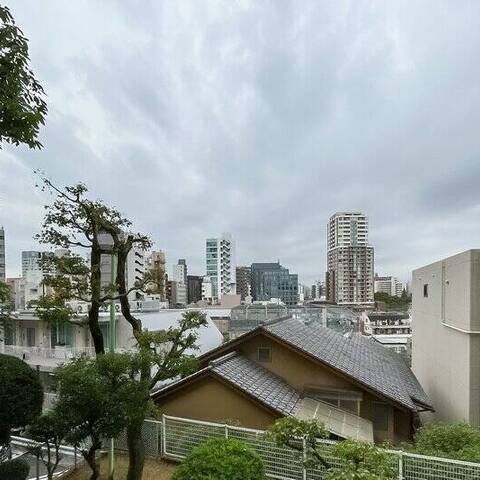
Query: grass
(155, 469)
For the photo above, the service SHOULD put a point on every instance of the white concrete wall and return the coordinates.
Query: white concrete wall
(445, 355)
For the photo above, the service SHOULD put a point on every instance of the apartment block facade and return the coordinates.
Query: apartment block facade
(389, 285)
(350, 260)
(221, 265)
(446, 335)
(244, 280)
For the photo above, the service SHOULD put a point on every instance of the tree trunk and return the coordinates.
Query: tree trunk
(136, 450)
(95, 281)
(90, 457)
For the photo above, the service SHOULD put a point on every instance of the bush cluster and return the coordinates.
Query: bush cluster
(17, 469)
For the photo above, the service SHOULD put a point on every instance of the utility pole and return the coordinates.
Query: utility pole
(113, 335)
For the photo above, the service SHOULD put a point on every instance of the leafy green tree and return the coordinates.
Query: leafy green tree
(17, 469)
(4, 293)
(23, 108)
(50, 430)
(361, 461)
(221, 459)
(458, 441)
(21, 397)
(95, 398)
(302, 436)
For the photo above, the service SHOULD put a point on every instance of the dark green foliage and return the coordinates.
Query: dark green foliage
(459, 441)
(21, 395)
(22, 107)
(361, 461)
(221, 459)
(394, 303)
(302, 436)
(17, 469)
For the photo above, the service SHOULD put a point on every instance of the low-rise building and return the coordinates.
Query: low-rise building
(289, 367)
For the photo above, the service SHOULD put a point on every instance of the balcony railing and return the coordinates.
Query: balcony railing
(59, 352)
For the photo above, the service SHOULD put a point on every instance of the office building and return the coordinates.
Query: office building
(194, 288)
(220, 265)
(243, 280)
(389, 285)
(272, 281)
(446, 335)
(207, 289)
(350, 260)
(179, 271)
(2, 255)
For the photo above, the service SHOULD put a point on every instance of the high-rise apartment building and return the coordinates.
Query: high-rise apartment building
(220, 265)
(272, 281)
(388, 285)
(243, 279)
(446, 335)
(2, 255)
(179, 273)
(350, 260)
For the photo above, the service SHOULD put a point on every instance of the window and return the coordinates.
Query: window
(425, 290)
(264, 354)
(344, 399)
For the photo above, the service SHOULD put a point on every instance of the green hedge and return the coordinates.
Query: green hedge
(221, 459)
(14, 470)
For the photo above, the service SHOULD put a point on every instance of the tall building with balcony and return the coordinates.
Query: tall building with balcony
(272, 281)
(350, 260)
(221, 265)
(156, 266)
(2, 255)
(34, 270)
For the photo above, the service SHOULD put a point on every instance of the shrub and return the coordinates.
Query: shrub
(361, 461)
(14, 470)
(459, 441)
(21, 395)
(221, 459)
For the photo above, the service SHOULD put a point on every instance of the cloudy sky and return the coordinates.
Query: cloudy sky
(261, 118)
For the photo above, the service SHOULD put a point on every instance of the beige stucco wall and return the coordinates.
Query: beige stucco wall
(445, 356)
(211, 400)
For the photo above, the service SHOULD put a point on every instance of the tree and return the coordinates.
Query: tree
(22, 105)
(458, 441)
(17, 469)
(50, 430)
(361, 461)
(221, 459)
(73, 221)
(21, 397)
(95, 398)
(4, 293)
(302, 436)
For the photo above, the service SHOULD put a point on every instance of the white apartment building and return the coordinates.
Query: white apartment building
(2, 255)
(350, 260)
(179, 271)
(389, 285)
(446, 335)
(221, 265)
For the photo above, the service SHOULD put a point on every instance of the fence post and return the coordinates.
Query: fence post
(164, 435)
(159, 440)
(304, 469)
(226, 431)
(400, 466)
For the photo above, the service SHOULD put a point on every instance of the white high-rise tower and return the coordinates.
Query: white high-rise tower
(221, 265)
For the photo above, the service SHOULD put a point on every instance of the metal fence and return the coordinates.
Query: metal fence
(174, 437)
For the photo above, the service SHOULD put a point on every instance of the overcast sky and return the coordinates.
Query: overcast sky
(261, 118)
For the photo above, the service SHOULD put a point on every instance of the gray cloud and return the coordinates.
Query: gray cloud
(261, 118)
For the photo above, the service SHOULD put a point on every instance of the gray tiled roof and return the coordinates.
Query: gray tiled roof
(358, 357)
(257, 381)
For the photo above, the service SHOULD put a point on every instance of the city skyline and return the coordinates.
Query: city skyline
(360, 109)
